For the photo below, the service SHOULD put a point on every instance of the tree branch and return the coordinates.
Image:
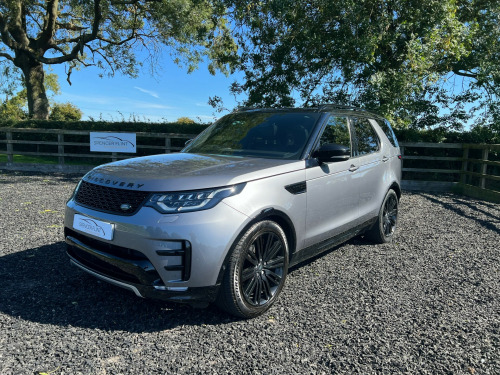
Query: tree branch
(70, 26)
(16, 28)
(79, 42)
(49, 25)
(7, 56)
(4, 32)
(465, 74)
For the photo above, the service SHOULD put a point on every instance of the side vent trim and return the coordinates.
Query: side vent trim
(297, 188)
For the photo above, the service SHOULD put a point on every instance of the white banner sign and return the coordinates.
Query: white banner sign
(113, 142)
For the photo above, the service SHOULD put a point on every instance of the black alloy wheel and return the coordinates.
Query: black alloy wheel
(390, 215)
(262, 269)
(256, 271)
(385, 226)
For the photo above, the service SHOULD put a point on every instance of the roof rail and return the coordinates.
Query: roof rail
(345, 107)
(339, 106)
(244, 108)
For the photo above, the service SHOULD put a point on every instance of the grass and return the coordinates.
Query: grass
(30, 159)
(44, 160)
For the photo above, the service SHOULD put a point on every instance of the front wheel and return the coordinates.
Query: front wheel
(256, 271)
(383, 229)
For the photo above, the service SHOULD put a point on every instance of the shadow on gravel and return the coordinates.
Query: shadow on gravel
(458, 208)
(353, 241)
(40, 285)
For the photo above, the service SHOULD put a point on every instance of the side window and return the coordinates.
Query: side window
(365, 140)
(386, 127)
(336, 131)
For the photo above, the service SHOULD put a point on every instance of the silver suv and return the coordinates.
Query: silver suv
(222, 221)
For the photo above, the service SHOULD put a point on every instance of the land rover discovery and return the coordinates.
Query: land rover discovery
(222, 221)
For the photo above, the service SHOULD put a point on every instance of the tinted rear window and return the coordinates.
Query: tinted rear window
(386, 127)
(365, 140)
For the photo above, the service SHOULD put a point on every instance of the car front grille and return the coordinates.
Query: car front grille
(108, 199)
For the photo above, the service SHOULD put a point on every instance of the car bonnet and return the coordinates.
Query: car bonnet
(184, 171)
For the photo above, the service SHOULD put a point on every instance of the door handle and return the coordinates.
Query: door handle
(384, 158)
(353, 168)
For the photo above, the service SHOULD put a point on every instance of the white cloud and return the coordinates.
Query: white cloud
(149, 92)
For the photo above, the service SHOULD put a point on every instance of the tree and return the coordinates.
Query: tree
(185, 121)
(107, 34)
(13, 94)
(65, 112)
(397, 57)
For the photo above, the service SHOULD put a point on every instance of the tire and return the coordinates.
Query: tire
(256, 271)
(383, 229)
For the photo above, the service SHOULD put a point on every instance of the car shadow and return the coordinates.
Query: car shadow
(40, 285)
(358, 240)
(460, 206)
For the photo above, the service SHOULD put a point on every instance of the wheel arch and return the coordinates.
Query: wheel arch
(272, 214)
(395, 186)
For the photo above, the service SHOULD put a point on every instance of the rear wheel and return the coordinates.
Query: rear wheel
(256, 271)
(383, 230)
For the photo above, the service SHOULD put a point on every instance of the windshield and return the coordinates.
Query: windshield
(277, 135)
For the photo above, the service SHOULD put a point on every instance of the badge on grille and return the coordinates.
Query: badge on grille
(125, 207)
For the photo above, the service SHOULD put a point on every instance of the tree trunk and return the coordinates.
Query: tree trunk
(34, 76)
(38, 103)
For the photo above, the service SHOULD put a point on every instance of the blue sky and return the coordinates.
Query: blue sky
(170, 94)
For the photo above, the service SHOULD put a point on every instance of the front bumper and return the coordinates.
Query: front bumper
(168, 257)
(175, 294)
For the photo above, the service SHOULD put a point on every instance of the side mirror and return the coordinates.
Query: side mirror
(332, 152)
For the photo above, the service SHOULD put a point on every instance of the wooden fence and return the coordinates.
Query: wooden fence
(469, 169)
(69, 150)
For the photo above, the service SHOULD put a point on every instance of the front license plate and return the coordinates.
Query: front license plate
(94, 227)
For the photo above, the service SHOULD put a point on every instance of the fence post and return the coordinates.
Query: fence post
(484, 167)
(10, 148)
(402, 150)
(113, 156)
(465, 164)
(60, 148)
(168, 145)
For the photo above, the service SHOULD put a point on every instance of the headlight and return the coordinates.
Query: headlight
(186, 201)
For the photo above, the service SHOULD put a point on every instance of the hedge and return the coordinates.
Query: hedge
(478, 134)
(149, 127)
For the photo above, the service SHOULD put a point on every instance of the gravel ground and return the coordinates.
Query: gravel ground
(429, 303)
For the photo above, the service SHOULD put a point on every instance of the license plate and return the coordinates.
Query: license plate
(94, 227)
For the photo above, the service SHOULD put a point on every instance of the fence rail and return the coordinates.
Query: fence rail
(71, 148)
(471, 169)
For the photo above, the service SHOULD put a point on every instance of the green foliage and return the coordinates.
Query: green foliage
(13, 89)
(419, 63)
(65, 112)
(107, 34)
(478, 134)
(107, 126)
(185, 120)
(14, 108)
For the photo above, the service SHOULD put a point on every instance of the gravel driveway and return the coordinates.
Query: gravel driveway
(429, 303)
